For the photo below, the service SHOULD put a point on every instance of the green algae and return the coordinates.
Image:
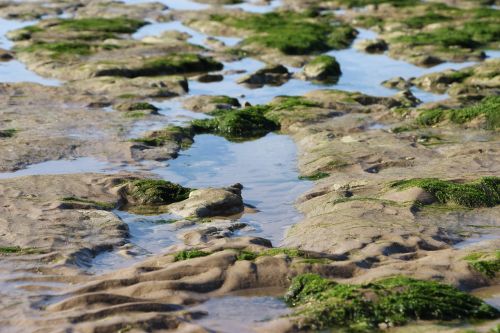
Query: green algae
(487, 108)
(9, 250)
(485, 263)
(255, 121)
(292, 33)
(183, 136)
(92, 203)
(190, 254)
(8, 133)
(484, 192)
(249, 122)
(183, 63)
(315, 176)
(58, 49)
(288, 252)
(156, 192)
(418, 22)
(322, 303)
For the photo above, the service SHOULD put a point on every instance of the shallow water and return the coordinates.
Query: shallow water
(266, 167)
(239, 314)
(77, 165)
(8, 25)
(14, 71)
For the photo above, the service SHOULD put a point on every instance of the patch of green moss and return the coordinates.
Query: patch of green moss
(484, 192)
(249, 122)
(316, 176)
(418, 22)
(58, 49)
(291, 253)
(156, 192)
(190, 254)
(225, 100)
(5, 250)
(487, 108)
(246, 255)
(8, 133)
(323, 303)
(487, 264)
(181, 135)
(171, 64)
(99, 24)
(291, 32)
(96, 204)
(471, 34)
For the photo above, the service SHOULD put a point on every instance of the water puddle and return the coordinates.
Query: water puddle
(266, 167)
(14, 71)
(239, 314)
(365, 72)
(77, 165)
(471, 241)
(8, 25)
(490, 295)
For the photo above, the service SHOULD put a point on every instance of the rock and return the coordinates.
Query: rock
(397, 83)
(275, 75)
(5, 55)
(136, 106)
(372, 45)
(407, 98)
(413, 194)
(322, 68)
(210, 202)
(207, 103)
(207, 78)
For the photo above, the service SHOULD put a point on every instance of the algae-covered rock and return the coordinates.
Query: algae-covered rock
(249, 122)
(154, 192)
(484, 192)
(322, 303)
(486, 111)
(210, 202)
(322, 68)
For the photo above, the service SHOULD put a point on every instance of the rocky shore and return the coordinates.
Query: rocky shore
(112, 220)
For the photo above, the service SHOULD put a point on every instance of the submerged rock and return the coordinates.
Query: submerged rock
(373, 46)
(397, 83)
(274, 75)
(211, 202)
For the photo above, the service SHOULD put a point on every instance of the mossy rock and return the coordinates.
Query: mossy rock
(183, 136)
(484, 192)
(292, 33)
(155, 192)
(83, 203)
(323, 304)
(100, 24)
(171, 64)
(485, 263)
(323, 68)
(488, 108)
(136, 106)
(249, 122)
